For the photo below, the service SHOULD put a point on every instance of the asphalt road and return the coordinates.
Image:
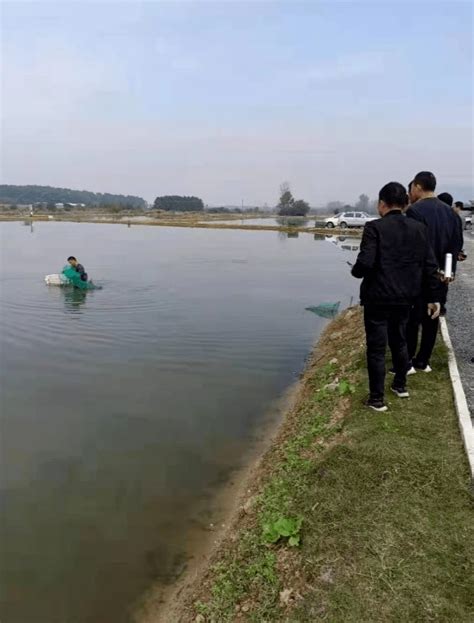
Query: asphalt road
(460, 318)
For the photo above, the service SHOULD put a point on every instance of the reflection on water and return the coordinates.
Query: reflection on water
(345, 243)
(123, 409)
(292, 221)
(284, 235)
(73, 299)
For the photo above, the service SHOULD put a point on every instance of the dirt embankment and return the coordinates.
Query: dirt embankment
(350, 515)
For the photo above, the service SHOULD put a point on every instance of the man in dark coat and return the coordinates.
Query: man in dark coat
(445, 236)
(395, 262)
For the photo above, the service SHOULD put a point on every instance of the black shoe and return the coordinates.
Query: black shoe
(376, 404)
(400, 391)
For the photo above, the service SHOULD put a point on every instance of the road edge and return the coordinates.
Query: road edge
(460, 402)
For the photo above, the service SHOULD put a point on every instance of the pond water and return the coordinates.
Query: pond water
(124, 409)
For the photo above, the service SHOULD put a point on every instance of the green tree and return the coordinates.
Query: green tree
(10, 193)
(177, 203)
(300, 208)
(286, 200)
(363, 203)
(287, 205)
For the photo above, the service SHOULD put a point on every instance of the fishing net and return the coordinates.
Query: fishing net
(74, 279)
(325, 310)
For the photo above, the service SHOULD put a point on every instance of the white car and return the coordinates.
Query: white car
(468, 222)
(349, 219)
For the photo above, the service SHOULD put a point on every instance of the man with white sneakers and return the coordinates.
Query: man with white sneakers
(443, 232)
(395, 263)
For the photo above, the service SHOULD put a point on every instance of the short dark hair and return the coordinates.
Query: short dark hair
(446, 198)
(426, 180)
(394, 195)
(71, 257)
(410, 184)
(459, 204)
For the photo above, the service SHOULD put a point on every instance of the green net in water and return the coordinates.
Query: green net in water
(325, 310)
(75, 279)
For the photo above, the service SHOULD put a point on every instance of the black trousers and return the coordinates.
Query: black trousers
(386, 323)
(429, 331)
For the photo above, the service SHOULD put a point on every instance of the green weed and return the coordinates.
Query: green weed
(283, 528)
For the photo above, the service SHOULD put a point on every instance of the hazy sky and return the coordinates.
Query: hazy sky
(226, 100)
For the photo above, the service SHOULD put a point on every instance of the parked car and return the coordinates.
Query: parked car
(349, 219)
(468, 222)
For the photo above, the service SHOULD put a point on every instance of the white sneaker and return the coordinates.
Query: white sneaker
(425, 369)
(412, 371)
(400, 391)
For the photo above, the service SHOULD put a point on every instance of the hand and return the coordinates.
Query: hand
(461, 256)
(444, 279)
(434, 310)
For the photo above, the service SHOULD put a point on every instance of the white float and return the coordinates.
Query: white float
(57, 280)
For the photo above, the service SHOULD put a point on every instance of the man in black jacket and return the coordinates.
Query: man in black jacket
(445, 237)
(395, 261)
(458, 207)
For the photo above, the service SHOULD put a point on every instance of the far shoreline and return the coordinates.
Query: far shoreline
(184, 223)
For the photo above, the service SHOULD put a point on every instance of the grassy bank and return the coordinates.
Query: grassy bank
(353, 516)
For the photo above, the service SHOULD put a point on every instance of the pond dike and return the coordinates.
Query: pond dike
(350, 515)
(177, 222)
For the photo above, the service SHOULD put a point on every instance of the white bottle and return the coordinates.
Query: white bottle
(448, 266)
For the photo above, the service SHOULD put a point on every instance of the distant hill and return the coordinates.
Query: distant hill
(49, 194)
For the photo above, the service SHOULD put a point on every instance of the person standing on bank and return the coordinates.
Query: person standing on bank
(446, 198)
(395, 261)
(458, 207)
(442, 225)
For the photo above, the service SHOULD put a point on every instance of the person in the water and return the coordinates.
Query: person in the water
(79, 268)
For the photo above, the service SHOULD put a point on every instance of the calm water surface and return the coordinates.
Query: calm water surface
(122, 409)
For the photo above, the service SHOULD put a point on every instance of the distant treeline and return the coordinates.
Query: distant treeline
(231, 210)
(10, 194)
(176, 203)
